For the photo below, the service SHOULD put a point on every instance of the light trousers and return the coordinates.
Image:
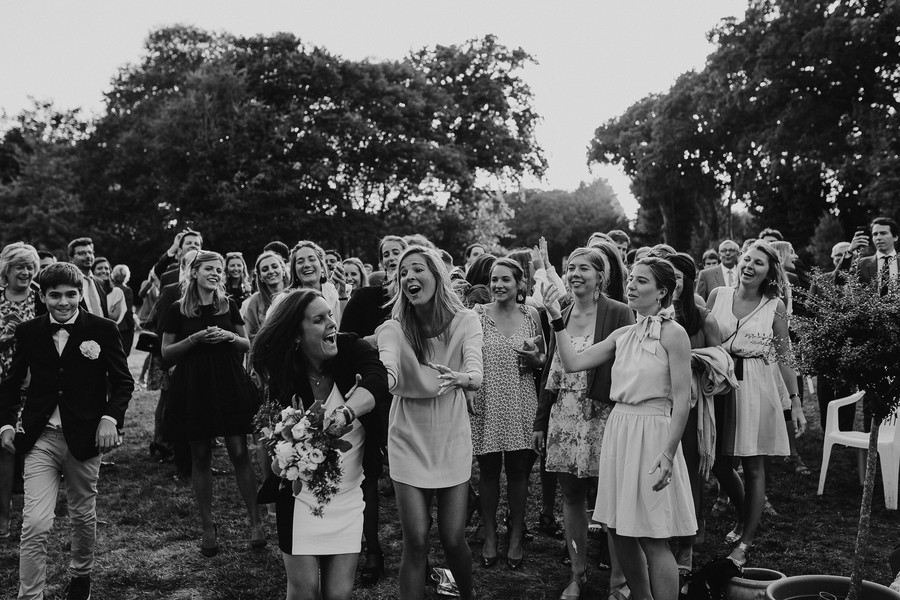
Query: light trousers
(44, 463)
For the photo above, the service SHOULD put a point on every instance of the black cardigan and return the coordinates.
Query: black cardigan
(355, 356)
(611, 315)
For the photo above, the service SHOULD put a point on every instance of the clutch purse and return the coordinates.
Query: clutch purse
(148, 342)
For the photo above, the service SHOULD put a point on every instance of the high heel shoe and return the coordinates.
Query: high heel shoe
(370, 575)
(549, 526)
(734, 536)
(578, 584)
(210, 551)
(489, 561)
(514, 564)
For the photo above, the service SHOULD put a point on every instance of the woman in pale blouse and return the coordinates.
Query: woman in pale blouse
(431, 348)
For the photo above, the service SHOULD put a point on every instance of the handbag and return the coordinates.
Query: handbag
(148, 341)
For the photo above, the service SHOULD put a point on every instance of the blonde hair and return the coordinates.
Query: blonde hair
(190, 296)
(775, 284)
(446, 304)
(261, 286)
(363, 276)
(15, 254)
(245, 273)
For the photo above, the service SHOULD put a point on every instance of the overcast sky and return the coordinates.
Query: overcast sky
(596, 57)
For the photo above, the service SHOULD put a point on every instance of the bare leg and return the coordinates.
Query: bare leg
(202, 482)
(731, 485)
(451, 517)
(246, 480)
(634, 565)
(414, 510)
(662, 568)
(755, 477)
(574, 492)
(337, 576)
(302, 577)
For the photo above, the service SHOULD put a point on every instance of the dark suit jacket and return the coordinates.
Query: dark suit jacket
(708, 280)
(868, 269)
(611, 315)
(78, 384)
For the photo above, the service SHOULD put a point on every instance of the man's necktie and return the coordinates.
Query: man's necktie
(885, 274)
(730, 279)
(57, 327)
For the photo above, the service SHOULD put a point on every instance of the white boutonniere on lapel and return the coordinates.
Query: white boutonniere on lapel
(90, 349)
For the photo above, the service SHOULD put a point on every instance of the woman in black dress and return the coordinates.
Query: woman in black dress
(203, 335)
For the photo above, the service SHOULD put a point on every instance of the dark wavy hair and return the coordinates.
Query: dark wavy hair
(480, 270)
(615, 279)
(687, 313)
(273, 352)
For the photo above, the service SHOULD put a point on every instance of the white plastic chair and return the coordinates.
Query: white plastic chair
(888, 447)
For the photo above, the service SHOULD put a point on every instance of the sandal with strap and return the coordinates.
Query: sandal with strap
(578, 584)
(734, 536)
(548, 526)
(740, 555)
(619, 592)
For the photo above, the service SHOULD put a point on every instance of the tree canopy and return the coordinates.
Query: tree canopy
(251, 139)
(794, 116)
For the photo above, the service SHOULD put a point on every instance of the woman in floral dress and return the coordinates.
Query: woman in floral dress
(506, 404)
(18, 303)
(574, 406)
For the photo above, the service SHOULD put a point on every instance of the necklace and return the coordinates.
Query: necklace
(317, 381)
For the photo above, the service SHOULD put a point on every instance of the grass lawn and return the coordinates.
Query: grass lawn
(149, 534)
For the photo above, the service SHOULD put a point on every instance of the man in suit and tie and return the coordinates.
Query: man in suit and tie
(81, 254)
(882, 267)
(725, 273)
(73, 410)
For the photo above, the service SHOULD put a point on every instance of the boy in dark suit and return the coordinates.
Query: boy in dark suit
(74, 409)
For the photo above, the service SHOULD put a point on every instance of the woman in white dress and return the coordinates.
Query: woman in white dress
(298, 352)
(431, 348)
(750, 422)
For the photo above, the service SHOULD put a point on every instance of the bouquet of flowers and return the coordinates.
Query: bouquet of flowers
(303, 450)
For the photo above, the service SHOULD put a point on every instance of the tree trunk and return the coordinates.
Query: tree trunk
(865, 513)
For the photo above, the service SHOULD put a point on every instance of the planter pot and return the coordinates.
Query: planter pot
(825, 587)
(752, 584)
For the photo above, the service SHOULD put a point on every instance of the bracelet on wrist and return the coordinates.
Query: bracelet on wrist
(191, 340)
(233, 337)
(343, 298)
(558, 324)
(794, 395)
(667, 456)
(348, 413)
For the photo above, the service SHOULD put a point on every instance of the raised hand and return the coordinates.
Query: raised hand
(551, 297)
